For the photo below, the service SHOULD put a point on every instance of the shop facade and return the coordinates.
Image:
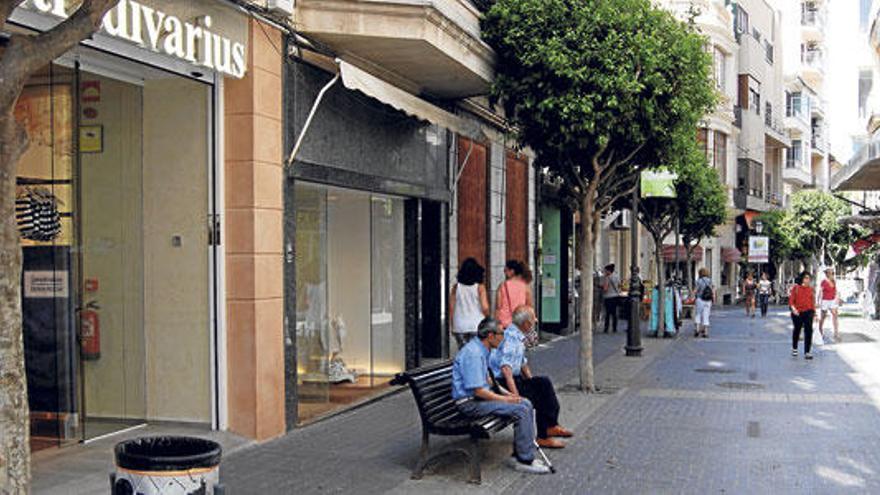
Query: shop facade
(366, 208)
(118, 208)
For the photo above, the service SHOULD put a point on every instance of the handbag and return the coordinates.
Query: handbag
(531, 337)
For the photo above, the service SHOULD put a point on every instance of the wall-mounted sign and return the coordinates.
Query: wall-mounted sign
(759, 249)
(658, 183)
(155, 29)
(46, 284)
(91, 138)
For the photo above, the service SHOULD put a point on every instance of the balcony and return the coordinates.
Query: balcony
(813, 23)
(862, 173)
(813, 66)
(428, 47)
(774, 129)
(820, 145)
(795, 172)
(749, 192)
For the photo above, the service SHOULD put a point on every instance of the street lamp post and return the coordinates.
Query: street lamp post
(759, 227)
(634, 332)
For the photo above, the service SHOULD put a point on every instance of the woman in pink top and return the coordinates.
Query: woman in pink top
(512, 293)
(829, 303)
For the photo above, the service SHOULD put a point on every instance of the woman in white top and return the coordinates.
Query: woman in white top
(469, 302)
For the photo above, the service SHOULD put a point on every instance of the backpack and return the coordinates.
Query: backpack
(706, 294)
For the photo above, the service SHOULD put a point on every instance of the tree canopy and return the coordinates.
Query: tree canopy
(702, 198)
(595, 86)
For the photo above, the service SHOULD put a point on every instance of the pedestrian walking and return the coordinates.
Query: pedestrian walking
(750, 289)
(828, 303)
(610, 296)
(802, 303)
(513, 292)
(705, 293)
(765, 288)
(469, 301)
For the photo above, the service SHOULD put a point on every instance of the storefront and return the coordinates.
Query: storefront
(115, 201)
(366, 208)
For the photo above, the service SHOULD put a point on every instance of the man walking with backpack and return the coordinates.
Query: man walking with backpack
(705, 297)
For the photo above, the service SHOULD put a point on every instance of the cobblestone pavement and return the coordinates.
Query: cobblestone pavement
(734, 413)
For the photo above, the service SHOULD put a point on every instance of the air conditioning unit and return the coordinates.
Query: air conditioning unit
(280, 7)
(623, 221)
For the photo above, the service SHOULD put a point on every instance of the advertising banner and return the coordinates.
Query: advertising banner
(759, 249)
(658, 183)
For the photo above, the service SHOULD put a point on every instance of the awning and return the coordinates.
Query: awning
(862, 173)
(749, 216)
(669, 253)
(730, 255)
(356, 79)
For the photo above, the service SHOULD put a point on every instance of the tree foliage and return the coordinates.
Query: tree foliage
(702, 199)
(813, 221)
(598, 89)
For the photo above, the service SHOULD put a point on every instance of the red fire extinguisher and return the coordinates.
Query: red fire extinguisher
(90, 332)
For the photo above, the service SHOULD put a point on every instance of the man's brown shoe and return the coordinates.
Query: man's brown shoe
(550, 443)
(558, 431)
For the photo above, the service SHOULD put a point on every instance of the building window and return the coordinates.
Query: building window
(793, 104)
(720, 60)
(703, 140)
(866, 82)
(719, 154)
(794, 156)
(864, 14)
(742, 20)
(755, 98)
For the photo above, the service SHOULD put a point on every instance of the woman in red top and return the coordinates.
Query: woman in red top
(829, 303)
(802, 302)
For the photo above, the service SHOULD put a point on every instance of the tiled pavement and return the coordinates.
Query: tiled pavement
(731, 414)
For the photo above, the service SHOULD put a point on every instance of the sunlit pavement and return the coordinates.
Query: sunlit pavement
(735, 413)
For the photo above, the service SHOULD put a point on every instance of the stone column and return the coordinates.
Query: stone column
(254, 240)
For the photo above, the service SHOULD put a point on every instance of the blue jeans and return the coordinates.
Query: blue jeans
(523, 429)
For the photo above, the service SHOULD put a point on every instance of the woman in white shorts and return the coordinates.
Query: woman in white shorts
(705, 296)
(828, 303)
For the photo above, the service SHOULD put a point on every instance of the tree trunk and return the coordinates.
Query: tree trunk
(586, 242)
(14, 435)
(661, 288)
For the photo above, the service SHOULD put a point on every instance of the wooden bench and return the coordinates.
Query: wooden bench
(431, 387)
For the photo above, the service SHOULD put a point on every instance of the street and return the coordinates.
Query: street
(734, 413)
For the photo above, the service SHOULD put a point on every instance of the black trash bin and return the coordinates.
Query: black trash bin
(167, 465)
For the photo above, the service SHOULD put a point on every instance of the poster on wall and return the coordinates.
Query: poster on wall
(91, 139)
(759, 249)
(46, 284)
(658, 183)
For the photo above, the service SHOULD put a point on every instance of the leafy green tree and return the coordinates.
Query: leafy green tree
(702, 201)
(595, 88)
(813, 221)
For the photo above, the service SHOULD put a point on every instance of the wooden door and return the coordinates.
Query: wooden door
(473, 203)
(517, 207)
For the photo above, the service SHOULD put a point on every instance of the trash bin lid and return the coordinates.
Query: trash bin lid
(167, 453)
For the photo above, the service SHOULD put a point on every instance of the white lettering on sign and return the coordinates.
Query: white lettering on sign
(46, 285)
(164, 33)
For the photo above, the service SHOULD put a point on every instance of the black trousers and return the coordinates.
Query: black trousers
(803, 321)
(610, 312)
(539, 390)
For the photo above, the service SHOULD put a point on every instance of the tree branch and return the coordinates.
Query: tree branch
(27, 53)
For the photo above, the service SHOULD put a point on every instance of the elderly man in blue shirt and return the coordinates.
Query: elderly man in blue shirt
(474, 396)
(511, 368)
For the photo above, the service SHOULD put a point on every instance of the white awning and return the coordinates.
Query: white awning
(354, 78)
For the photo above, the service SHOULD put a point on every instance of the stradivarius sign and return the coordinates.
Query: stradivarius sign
(156, 30)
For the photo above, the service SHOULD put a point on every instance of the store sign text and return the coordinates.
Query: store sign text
(164, 33)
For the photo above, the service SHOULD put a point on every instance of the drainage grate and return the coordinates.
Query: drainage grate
(724, 371)
(741, 385)
(752, 349)
(753, 375)
(753, 430)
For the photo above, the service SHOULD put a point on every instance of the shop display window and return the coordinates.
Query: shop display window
(350, 337)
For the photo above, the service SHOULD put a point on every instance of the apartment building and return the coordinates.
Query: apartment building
(805, 62)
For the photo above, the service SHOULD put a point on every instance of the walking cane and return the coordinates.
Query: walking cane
(534, 425)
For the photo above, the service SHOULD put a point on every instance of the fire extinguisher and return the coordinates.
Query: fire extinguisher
(90, 332)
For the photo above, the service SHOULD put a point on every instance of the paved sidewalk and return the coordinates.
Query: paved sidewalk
(373, 449)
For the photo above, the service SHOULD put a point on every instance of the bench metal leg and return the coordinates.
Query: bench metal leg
(423, 457)
(474, 457)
